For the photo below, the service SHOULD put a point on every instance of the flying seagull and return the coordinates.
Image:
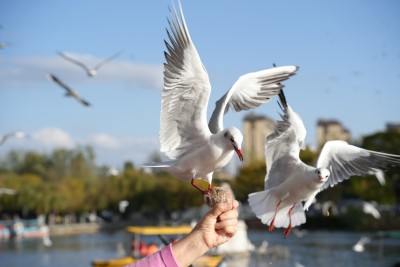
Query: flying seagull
(360, 245)
(17, 134)
(289, 181)
(69, 92)
(89, 71)
(196, 149)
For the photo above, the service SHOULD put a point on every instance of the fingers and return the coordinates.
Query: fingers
(218, 209)
(231, 214)
(235, 204)
(227, 221)
(226, 228)
(232, 223)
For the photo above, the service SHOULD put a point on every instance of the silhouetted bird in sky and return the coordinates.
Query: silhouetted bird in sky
(89, 71)
(16, 134)
(69, 92)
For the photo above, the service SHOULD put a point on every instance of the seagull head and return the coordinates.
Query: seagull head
(233, 138)
(322, 174)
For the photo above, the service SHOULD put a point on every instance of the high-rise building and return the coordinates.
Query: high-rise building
(255, 130)
(393, 127)
(331, 130)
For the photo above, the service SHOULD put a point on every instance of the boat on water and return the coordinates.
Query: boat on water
(166, 234)
(23, 229)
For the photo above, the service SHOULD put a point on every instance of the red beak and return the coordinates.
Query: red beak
(239, 153)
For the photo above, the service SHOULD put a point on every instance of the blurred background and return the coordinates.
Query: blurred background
(70, 172)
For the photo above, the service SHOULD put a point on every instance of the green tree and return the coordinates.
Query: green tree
(250, 179)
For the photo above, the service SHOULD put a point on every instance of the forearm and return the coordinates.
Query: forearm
(162, 258)
(189, 249)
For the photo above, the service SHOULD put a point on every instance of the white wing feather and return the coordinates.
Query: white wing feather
(250, 91)
(183, 120)
(344, 160)
(284, 144)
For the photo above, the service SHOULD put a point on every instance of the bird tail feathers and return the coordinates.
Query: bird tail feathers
(263, 204)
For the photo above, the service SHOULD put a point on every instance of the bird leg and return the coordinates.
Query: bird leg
(271, 226)
(204, 192)
(287, 230)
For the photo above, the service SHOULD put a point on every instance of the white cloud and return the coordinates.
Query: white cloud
(106, 141)
(114, 151)
(52, 138)
(109, 150)
(27, 70)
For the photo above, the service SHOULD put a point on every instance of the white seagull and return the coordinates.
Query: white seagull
(16, 134)
(289, 181)
(89, 71)
(69, 92)
(196, 149)
(360, 245)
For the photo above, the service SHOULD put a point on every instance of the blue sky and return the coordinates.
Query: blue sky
(348, 53)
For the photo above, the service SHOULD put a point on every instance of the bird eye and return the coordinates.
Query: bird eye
(232, 140)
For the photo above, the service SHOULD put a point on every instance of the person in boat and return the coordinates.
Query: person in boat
(152, 248)
(215, 228)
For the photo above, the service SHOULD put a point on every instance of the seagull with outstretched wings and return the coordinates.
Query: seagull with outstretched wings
(196, 149)
(89, 71)
(16, 134)
(289, 181)
(69, 92)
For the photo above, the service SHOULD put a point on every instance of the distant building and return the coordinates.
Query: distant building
(393, 127)
(331, 130)
(255, 129)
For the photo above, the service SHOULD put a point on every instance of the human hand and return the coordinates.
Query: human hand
(219, 224)
(215, 228)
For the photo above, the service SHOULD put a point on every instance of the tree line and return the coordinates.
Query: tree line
(67, 181)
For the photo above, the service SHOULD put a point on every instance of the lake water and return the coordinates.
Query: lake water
(313, 249)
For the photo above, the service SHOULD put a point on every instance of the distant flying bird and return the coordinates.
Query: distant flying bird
(3, 45)
(360, 245)
(7, 191)
(111, 171)
(289, 181)
(196, 149)
(369, 208)
(69, 92)
(122, 205)
(17, 134)
(89, 71)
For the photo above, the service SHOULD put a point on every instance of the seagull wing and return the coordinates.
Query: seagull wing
(83, 101)
(250, 91)
(17, 134)
(70, 59)
(107, 60)
(54, 79)
(70, 92)
(344, 160)
(3, 139)
(183, 120)
(282, 147)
